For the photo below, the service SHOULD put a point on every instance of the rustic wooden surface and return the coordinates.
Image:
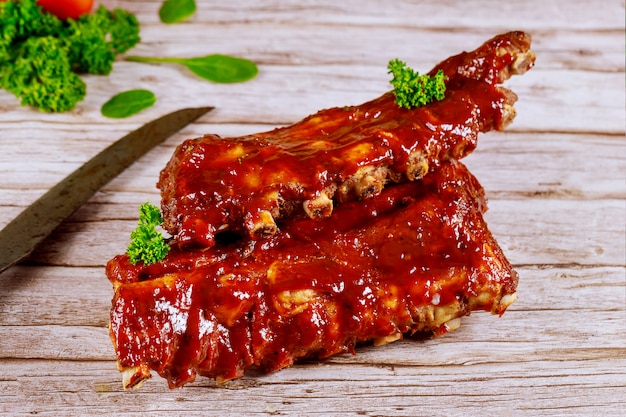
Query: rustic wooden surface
(555, 180)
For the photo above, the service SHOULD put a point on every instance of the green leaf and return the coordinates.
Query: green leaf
(217, 67)
(222, 68)
(174, 11)
(128, 103)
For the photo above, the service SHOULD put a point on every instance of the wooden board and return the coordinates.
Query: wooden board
(556, 182)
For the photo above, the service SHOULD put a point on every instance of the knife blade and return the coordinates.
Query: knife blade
(21, 236)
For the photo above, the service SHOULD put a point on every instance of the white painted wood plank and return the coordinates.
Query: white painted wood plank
(269, 43)
(454, 15)
(285, 94)
(543, 389)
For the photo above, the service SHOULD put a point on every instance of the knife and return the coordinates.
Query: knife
(20, 237)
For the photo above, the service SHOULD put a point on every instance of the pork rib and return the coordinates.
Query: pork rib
(213, 184)
(414, 258)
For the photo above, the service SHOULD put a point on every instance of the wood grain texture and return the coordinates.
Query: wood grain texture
(556, 183)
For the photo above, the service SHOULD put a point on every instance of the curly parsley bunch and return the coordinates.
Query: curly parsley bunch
(41, 56)
(147, 244)
(412, 89)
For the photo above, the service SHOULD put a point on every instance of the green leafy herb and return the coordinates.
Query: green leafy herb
(412, 89)
(20, 20)
(174, 11)
(128, 103)
(217, 68)
(40, 74)
(41, 56)
(147, 243)
(95, 39)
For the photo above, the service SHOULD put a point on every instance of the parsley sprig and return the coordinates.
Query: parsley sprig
(412, 89)
(147, 243)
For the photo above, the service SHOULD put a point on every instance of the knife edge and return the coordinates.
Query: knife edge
(25, 232)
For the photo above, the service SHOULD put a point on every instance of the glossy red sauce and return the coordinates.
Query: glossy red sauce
(371, 268)
(214, 183)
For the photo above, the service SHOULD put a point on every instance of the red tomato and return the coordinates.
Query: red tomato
(64, 9)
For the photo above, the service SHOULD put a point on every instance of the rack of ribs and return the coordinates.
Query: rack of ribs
(355, 225)
(246, 184)
(414, 258)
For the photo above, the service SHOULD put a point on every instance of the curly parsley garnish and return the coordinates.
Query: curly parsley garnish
(147, 244)
(42, 58)
(412, 89)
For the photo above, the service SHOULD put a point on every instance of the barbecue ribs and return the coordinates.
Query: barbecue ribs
(213, 184)
(355, 225)
(414, 258)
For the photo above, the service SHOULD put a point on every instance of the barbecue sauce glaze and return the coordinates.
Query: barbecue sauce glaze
(315, 289)
(410, 259)
(213, 183)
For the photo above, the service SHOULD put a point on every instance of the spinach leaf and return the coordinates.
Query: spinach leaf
(217, 67)
(128, 103)
(174, 11)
